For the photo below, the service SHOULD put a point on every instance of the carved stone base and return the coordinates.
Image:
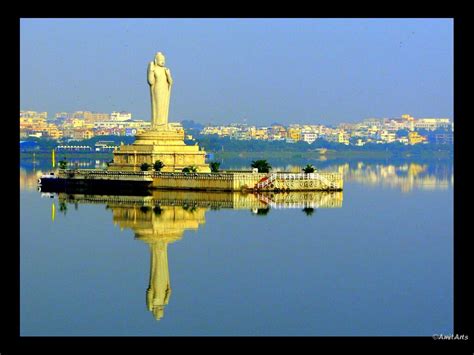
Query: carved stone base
(166, 145)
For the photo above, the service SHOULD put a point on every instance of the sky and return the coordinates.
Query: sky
(255, 71)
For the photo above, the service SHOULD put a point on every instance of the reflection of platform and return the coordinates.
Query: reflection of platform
(235, 200)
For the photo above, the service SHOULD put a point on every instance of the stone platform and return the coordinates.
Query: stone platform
(221, 181)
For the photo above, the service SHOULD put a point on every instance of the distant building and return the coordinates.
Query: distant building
(432, 124)
(62, 115)
(73, 148)
(33, 114)
(386, 136)
(415, 138)
(294, 134)
(308, 137)
(120, 116)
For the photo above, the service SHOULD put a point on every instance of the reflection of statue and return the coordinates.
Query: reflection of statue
(157, 226)
(159, 290)
(160, 81)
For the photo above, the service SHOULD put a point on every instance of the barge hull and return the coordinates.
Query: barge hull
(105, 186)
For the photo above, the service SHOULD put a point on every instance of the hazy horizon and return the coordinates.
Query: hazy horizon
(315, 71)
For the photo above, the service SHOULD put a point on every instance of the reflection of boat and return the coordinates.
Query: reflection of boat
(162, 217)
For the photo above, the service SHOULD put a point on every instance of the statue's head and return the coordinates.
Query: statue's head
(160, 59)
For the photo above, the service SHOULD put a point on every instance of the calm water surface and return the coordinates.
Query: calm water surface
(376, 259)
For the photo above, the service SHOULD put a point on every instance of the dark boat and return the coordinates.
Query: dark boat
(54, 183)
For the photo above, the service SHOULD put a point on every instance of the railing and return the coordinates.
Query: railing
(104, 172)
(267, 180)
(264, 182)
(285, 204)
(98, 174)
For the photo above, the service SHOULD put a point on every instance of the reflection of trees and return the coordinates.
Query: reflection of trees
(157, 210)
(63, 207)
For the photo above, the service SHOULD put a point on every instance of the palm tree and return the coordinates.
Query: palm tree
(62, 164)
(262, 166)
(145, 167)
(215, 166)
(189, 169)
(308, 211)
(308, 169)
(158, 165)
(262, 211)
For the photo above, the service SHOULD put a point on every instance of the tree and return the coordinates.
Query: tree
(145, 167)
(189, 169)
(308, 211)
(261, 165)
(62, 164)
(215, 166)
(158, 165)
(308, 169)
(262, 211)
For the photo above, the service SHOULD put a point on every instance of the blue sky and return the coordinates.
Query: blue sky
(230, 70)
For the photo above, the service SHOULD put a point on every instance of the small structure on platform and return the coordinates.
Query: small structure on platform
(162, 142)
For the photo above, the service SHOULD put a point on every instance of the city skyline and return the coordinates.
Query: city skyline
(393, 67)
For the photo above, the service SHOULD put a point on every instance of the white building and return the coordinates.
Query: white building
(432, 124)
(387, 136)
(308, 137)
(122, 124)
(33, 114)
(120, 116)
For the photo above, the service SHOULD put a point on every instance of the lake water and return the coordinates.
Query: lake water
(376, 259)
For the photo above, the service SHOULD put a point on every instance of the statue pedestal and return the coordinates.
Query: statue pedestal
(163, 144)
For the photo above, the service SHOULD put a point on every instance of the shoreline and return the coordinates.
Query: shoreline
(252, 155)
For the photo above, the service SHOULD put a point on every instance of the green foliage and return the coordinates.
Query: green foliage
(308, 211)
(63, 207)
(190, 169)
(158, 165)
(214, 143)
(263, 211)
(262, 165)
(62, 164)
(215, 166)
(145, 167)
(308, 169)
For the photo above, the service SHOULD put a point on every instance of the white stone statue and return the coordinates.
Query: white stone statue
(160, 81)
